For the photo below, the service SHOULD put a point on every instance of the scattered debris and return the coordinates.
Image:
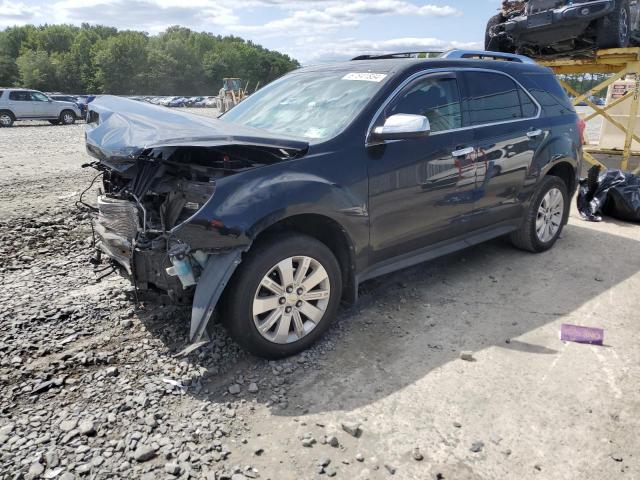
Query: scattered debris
(191, 348)
(578, 334)
(352, 428)
(467, 356)
(417, 454)
(477, 446)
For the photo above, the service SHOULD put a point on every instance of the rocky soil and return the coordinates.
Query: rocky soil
(451, 370)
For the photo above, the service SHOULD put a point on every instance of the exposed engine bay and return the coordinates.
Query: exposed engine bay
(142, 208)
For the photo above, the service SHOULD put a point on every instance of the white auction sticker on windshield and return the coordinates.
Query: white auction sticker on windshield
(367, 77)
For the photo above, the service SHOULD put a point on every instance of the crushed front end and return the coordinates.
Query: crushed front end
(160, 170)
(138, 212)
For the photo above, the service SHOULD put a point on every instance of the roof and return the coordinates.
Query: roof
(393, 66)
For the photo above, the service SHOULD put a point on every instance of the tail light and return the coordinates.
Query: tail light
(582, 126)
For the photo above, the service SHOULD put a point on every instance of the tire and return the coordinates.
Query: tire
(495, 44)
(528, 237)
(54, 122)
(6, 118)
(238, 307)
(67, 117)
(614, 30)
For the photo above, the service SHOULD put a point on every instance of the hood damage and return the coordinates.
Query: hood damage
(159, 171)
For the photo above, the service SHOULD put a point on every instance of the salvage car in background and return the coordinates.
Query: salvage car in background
(23, 104)
(70, 98)
(325, 178)
(550, 27)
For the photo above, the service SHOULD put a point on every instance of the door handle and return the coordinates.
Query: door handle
(463, 152)
(534, 133)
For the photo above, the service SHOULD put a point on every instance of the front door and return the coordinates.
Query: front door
(421, 189)
(43, 107)
(506, 136)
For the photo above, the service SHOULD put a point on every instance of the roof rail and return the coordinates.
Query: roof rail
(481, 54)
(399, 55)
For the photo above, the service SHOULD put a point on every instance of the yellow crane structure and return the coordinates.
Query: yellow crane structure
(620, 63)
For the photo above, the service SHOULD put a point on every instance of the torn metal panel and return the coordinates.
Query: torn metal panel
(212, 282)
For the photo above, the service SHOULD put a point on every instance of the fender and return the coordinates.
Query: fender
(246, 204)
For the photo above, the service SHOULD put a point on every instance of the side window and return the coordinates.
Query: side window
(493, 98)
(19, 96)
(39, 97)
(436, 97)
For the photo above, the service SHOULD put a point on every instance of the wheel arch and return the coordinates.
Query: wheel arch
(566, 171)
(328, 231)
(6, 110)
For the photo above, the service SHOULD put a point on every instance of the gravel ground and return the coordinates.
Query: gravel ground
(449, 370)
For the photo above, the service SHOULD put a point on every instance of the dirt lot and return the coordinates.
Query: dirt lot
(90, 386)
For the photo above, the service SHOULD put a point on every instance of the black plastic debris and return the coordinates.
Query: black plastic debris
(614, 193)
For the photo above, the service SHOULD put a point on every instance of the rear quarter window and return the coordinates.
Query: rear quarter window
(548, 93)
(494, 98)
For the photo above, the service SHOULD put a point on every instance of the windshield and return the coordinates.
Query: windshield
(314, 105)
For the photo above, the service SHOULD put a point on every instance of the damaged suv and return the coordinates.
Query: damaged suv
(542, 28)
(273, 214)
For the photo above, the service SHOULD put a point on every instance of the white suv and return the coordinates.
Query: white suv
(22, 104)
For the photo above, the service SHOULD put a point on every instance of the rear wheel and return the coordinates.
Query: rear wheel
(6, 118)
(283, 297)
(545, 218)
(614, 30)
(67, 117)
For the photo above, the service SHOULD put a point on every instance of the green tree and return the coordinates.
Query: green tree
(121, 63)
(37, 70)
(100, 59)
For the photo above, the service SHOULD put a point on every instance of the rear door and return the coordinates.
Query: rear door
(20, 103)
(504, 120)
(419, 190)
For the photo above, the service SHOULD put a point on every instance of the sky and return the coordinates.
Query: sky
(311, 31)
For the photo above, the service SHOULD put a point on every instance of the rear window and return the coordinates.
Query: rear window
(493, 98)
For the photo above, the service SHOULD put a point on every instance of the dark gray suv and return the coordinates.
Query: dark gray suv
(23, 104)
(331, 175)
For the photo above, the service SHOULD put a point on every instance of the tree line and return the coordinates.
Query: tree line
(100, 59)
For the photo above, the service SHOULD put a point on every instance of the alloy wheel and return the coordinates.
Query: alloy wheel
(624, 27)
(67, 118)
(5, 119)
(291, 299)
(549, 216)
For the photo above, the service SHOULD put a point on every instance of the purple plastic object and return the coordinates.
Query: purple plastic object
(575, 333)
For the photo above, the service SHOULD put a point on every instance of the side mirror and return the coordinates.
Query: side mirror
(403, 126)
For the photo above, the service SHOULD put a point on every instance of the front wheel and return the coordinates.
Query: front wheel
(283, 297)
(67, 117)
(545, 218)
